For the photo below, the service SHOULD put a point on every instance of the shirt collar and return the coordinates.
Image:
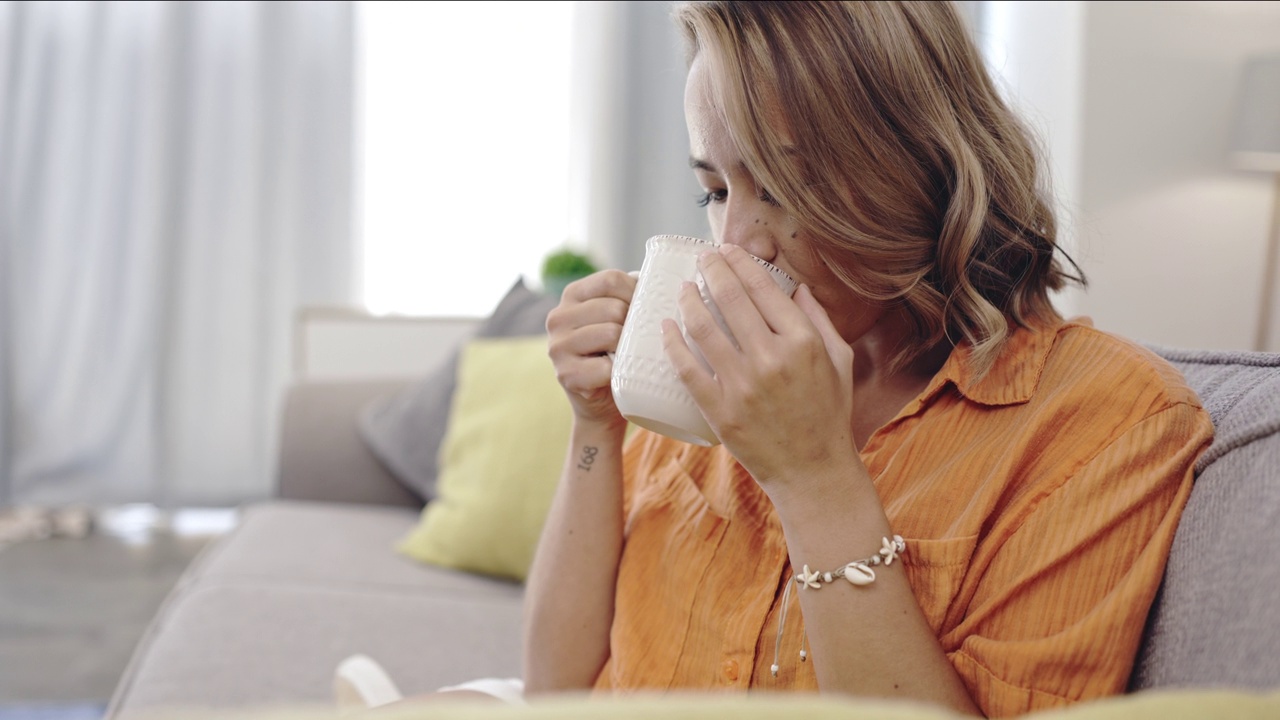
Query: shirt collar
(1013, 376)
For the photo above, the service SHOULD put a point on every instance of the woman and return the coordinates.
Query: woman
(920, 385)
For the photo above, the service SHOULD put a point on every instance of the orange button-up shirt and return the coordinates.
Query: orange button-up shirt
(1038, 504)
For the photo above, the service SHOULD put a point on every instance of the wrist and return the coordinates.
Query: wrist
(832, 490)
(833, 511)
(609, 432)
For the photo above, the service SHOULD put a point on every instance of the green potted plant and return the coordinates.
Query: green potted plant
(562, 267)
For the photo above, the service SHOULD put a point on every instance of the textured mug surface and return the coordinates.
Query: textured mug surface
(645, 386)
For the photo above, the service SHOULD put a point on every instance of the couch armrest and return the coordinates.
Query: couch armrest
(322, 456)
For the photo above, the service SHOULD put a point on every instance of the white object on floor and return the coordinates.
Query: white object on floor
(137, 523)
(203, 522)
(359, 682)
(134, 523)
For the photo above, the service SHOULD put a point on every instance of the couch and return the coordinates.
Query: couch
(308, 577)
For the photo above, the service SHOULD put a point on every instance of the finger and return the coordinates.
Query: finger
(731, 298)
(696, 378)
(605, 283)
(591, 340)
(569, 316)
(775, 308)
(701, 328)
(837, 349)
(773, 305)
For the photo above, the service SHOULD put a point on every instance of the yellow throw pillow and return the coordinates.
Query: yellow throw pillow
(500, 461)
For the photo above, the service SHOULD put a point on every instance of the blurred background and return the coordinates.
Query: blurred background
(177, 179)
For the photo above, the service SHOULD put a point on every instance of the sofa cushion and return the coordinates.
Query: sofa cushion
(289, 542)
(255, 644)
(1216, 622)
(321, 449)
(404, 429)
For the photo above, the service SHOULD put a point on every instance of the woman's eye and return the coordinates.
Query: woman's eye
(766, 197)
(712, 196)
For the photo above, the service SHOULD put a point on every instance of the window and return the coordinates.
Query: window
(464, 150)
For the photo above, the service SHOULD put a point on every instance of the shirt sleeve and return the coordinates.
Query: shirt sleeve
(1060, 608)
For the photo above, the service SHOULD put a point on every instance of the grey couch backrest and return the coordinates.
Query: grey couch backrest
(1216, 621)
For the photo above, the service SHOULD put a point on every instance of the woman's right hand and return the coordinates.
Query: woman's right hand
(581, 330)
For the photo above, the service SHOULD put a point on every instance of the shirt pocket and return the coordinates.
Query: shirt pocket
(936, 570)
(672, 535)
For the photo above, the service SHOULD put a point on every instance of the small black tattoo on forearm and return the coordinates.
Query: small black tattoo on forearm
(588, 457)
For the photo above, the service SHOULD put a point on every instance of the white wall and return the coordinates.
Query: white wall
(1170, 235)
(1036, 50)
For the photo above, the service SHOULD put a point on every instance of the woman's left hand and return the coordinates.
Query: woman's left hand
(782, 400)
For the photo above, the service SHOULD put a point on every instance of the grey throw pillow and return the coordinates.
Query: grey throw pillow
(404, 430)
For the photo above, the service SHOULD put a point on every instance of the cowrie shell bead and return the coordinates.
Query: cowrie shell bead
(859, 574)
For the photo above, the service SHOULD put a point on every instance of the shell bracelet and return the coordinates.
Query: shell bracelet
(858, 572)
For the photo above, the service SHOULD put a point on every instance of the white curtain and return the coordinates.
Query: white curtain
(175, 180)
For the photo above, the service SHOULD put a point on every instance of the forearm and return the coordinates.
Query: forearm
(570, 589)
(869, 640)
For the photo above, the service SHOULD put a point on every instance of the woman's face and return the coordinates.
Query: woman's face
(743, 213)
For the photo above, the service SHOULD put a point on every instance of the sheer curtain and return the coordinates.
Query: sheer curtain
(174, 183)
(630, 175)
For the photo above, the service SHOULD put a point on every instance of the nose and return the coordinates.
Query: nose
(746, 224)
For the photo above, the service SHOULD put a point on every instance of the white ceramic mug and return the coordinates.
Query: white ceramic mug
(645, 386)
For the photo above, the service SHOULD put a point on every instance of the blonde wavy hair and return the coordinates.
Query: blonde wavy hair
(877, 126)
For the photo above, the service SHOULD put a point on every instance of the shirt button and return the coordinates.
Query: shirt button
(730, 670)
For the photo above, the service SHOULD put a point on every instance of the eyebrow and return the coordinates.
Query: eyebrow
(699, 164)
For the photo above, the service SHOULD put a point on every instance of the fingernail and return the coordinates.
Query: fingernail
(726, 249)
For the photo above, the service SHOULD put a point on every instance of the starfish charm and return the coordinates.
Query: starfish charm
(809, 579)
(889, 550)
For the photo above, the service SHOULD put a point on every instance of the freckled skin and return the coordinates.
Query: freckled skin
(739, 215)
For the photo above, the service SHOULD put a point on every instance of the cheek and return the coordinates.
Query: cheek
(715, 218)
(807, 263)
